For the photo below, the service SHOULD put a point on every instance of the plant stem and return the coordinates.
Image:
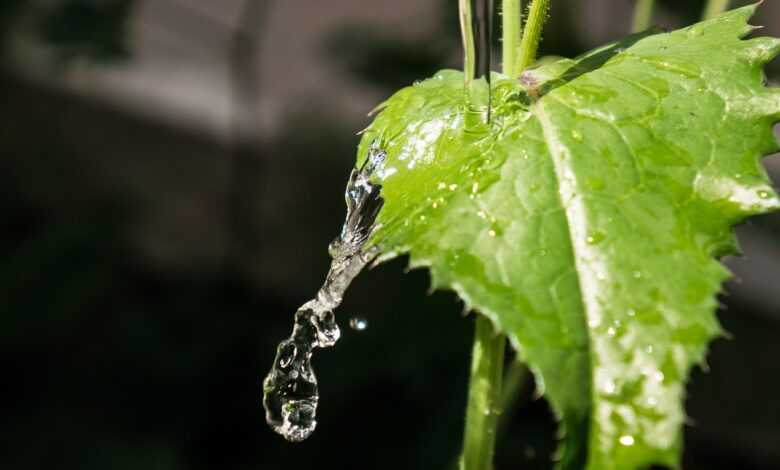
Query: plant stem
(515, 381)
(537, 15)
(643, 15)
(511, 34)
(714, 8)
(487, 363)
(467, 34)
(482, 410)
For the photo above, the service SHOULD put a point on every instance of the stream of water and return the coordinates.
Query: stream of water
(477, 32)
(290, 393)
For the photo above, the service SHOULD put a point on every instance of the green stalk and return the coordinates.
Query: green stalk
(537, 15)
(511, 27)
(643, 15)
(487, 363)
(469, 50)
(515, 380)
(482, 410)
(714, 8)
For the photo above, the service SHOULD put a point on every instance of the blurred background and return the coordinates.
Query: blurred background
(171, 172)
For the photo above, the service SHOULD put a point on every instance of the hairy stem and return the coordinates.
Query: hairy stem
(714, 8)
(643, 15)
(532, 35)
(511, 34)
(484, 400)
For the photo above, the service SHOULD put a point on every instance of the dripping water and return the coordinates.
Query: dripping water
(290, 393)
(476, 29)
(482, 27)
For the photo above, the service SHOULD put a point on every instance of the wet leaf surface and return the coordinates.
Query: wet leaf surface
(587, 218)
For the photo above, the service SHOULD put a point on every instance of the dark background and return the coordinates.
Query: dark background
(171, 172)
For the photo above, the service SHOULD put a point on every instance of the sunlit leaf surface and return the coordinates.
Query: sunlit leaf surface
(586, 220)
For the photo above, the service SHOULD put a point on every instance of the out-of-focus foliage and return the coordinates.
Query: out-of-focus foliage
(400, 61)
(9, 11)
(91, 29)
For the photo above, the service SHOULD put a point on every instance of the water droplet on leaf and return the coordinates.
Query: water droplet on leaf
(595, 238)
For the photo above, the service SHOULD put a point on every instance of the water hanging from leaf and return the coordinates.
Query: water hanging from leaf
(290, 393)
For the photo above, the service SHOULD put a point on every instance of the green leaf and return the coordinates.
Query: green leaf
(586, 219)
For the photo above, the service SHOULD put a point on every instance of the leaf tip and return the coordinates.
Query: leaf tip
(760, 51)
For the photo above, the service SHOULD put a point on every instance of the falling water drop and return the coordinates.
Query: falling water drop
(358, 323)
(290, 394)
